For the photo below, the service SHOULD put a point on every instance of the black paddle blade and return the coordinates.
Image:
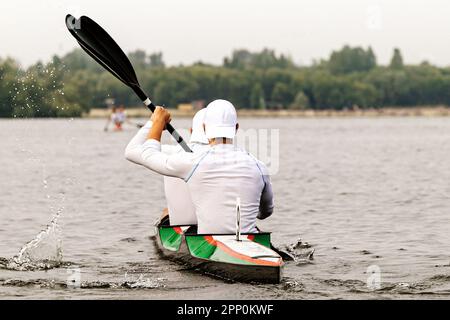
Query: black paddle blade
(102, 48)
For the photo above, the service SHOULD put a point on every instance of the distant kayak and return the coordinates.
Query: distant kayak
(249, 260)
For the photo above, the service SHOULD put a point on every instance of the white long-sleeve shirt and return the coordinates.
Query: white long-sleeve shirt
(134, 149)
(216, 177)
(179, 202)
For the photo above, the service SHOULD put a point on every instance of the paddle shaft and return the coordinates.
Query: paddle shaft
(178, 138)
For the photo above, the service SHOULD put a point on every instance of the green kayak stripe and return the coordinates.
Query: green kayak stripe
(201, 248)
(170, 239)
(263, 239)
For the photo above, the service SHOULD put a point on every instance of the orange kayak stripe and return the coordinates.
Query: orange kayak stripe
(178, 230)
(238, 255)
(210, 240)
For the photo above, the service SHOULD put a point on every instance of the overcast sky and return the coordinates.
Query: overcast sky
(191, 30)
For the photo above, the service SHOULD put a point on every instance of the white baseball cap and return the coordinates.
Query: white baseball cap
(220, 120)
(198, 133)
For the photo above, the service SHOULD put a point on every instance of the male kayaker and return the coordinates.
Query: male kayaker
(118, 117)
(217, 176)
(179, 203)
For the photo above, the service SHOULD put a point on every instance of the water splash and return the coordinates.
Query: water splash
(300, 252)
(142, 282)
(42, 253)
(45, 250)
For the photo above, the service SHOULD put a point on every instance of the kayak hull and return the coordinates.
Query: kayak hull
(248, 260)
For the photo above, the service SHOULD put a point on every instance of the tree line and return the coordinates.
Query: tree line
(72, 84)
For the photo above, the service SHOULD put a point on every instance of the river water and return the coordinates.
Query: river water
(371, 196)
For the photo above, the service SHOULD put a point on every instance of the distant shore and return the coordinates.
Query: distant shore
(441, 111)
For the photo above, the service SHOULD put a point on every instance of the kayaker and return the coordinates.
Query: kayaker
(118, 117)
(180, 208)
(217, 176)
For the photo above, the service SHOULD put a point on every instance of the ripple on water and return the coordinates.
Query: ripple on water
(141, 282)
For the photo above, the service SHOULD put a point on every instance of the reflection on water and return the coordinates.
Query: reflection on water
(370, 198)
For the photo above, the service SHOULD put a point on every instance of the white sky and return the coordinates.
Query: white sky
(190, 30)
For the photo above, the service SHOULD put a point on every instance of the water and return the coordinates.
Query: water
(370, 196)
(42, 253)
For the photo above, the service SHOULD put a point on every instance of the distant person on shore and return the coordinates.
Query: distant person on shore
(180, 207)
(219, 177)
(118, 117)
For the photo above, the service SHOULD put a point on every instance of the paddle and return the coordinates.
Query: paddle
(97, 43)
(284, 255)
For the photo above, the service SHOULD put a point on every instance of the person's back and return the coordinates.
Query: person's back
(223, 175)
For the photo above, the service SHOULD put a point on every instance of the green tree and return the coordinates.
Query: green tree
(239, 59)
(9, 71)
(257, 100)
(267, 58)
(74, 83)
(138, 59)
(156, 60)
(349, 60)
(79, 60)
(175, 89)
(281, 94)
(82, 88)
(301, 101)
(397, 60)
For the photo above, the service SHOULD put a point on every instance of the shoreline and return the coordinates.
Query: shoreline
(438, 111)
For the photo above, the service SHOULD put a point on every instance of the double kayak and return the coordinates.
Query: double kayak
(247, 259)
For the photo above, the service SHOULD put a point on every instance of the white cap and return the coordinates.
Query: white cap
(220, 120)
(198, 133)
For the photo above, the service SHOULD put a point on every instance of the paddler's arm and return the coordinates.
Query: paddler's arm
(266, 202)
(160, 118)
(174, 165)
(134, 149)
